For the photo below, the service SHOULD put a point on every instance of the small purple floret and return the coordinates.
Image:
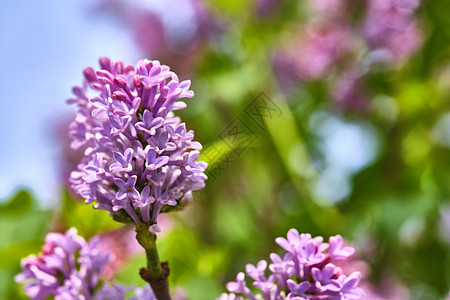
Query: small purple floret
(123, 162)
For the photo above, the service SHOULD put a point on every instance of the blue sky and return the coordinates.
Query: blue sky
(44, 45)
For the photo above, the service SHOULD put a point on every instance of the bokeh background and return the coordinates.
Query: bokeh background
(330, 116)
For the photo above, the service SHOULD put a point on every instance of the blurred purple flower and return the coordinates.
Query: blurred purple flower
(177, 42)
(322, 47)
(122, 245)
(348, 92)
(388, 288)
(306, 272)
(338, 49)
(348, 286)
(265, 8)
(390, 26)
(132, 141)
(327, 8)
(70, 268)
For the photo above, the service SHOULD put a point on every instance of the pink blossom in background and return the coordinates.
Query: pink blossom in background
(390, 25)
(177, 42)
(266, 8)
(389, 288)
(333, 47)
(68, 158)
(148, 31)
(319, 50)
(327, 8)
(122, 244)
(348, 92)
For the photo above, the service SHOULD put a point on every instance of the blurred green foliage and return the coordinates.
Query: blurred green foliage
(88, 221)
(23, 225)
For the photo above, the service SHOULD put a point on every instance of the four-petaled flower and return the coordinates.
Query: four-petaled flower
(149, 124)
(298, 290)
(123, 162)
(127, 189)
(153, 161)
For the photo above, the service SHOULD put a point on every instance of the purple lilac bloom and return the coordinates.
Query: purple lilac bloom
(139, 159)
(56, 270)
(390, 27)
(71, 268)
(307, 271)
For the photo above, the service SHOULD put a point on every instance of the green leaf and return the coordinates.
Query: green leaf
(21, 203)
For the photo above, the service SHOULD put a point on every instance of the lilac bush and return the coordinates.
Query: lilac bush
(306, 271)
(139, 159)
(71, 268)
(333, 46)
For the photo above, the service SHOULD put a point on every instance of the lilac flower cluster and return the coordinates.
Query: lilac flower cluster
(306, 271)
(139, 158)
(70, 268)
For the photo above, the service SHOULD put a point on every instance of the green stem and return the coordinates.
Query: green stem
(153, 263)
(156, 272)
